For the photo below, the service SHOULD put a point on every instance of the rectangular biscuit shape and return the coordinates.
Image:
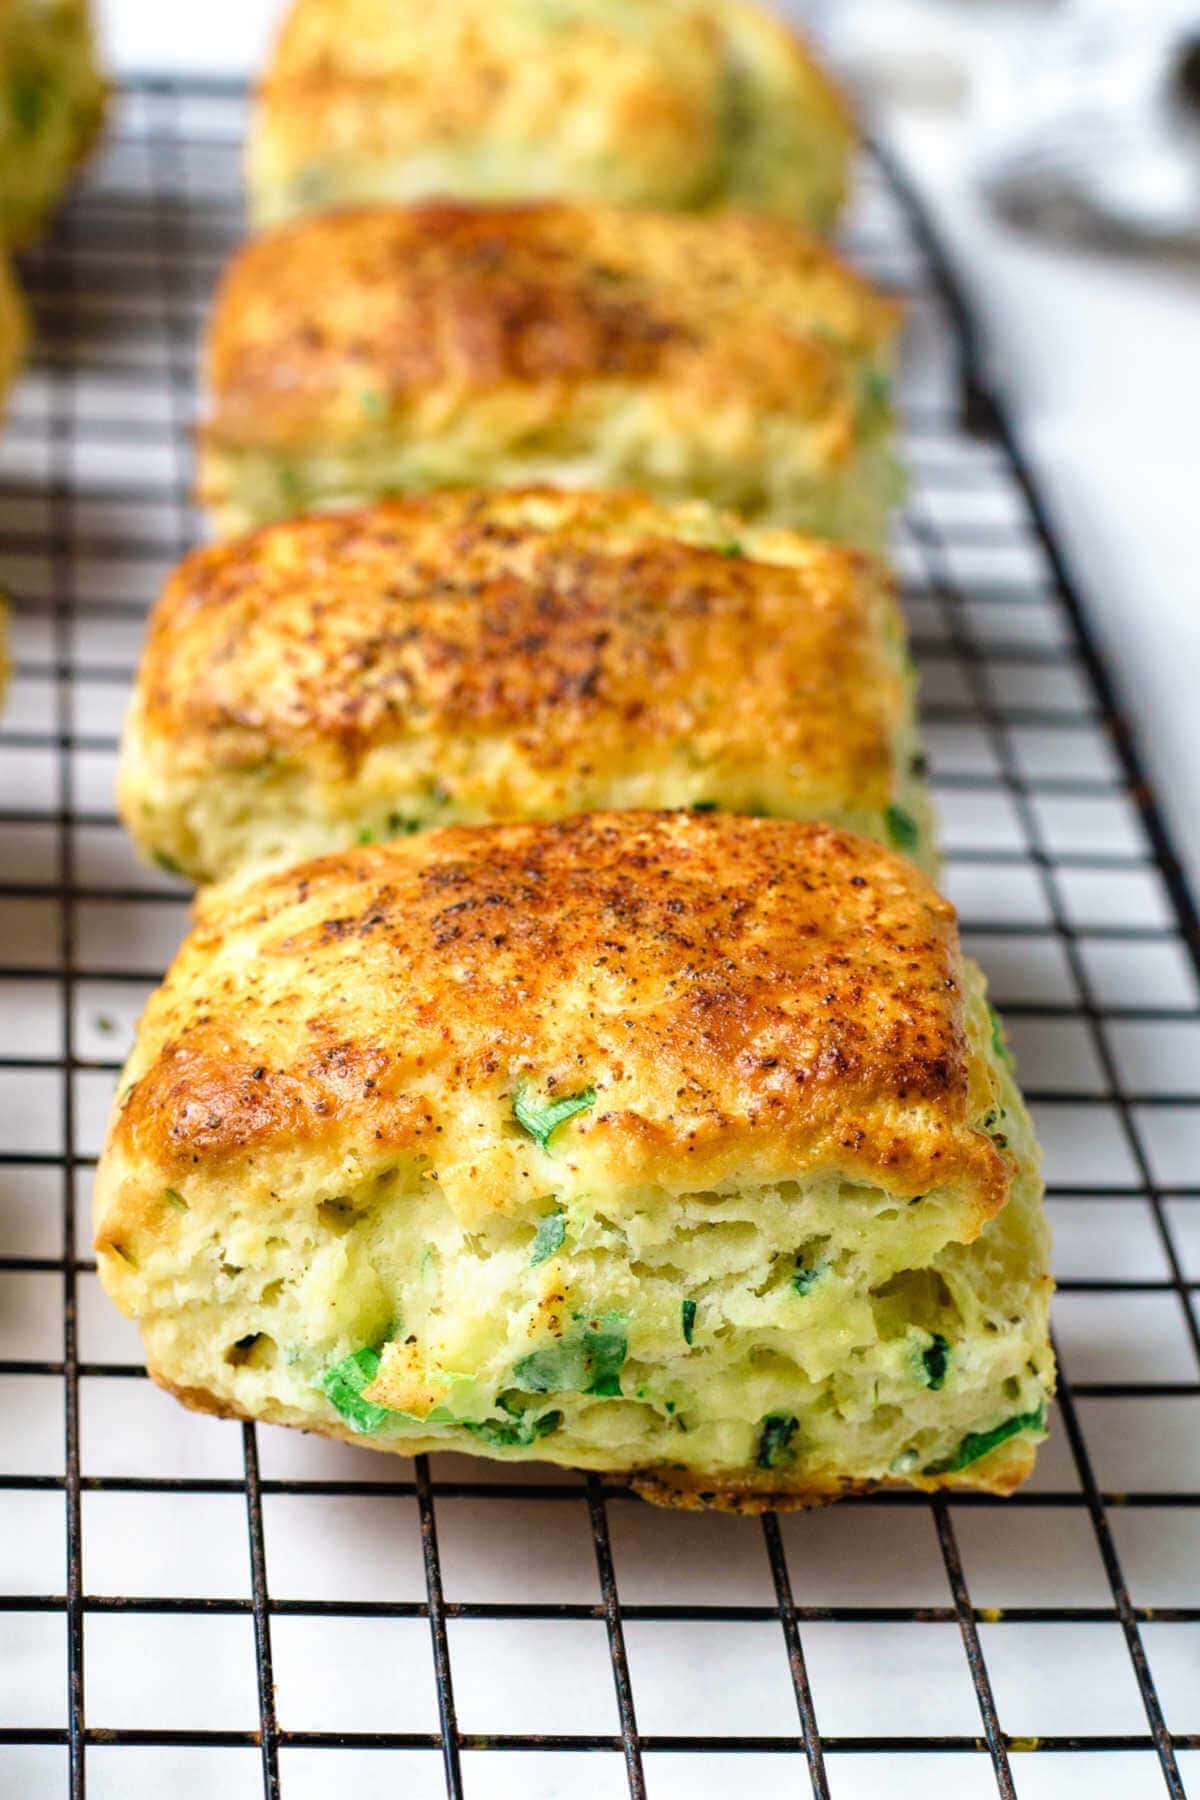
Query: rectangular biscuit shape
(679, 1146)
(468, 657)
(394, 350)
(673, 103)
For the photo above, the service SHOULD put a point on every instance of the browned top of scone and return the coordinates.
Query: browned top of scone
(597, 632)
(748, 999)
(329, 328)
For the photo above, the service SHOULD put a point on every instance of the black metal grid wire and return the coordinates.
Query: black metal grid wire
(1047, 806)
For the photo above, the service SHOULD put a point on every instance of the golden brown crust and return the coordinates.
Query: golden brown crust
(744, 995)
(339, 326)
(583, 629)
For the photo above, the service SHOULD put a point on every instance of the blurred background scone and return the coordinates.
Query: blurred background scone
(51, 105)
(658, 1143)
(397, 349)
(672, 103)
(468, 657)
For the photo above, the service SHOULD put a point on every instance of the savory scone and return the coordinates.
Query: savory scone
(51, 105)
(683, 1146)
(473, 657)
(399, 349)
(684, 104)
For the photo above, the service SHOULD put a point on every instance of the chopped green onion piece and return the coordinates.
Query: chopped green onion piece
(175, 1199)
(366, 835)
(549, 1236)
(979, 1443)
(688, 1314)
(704, 806)
(902, 828)
(999, 1040)
(935, 1362)
(804, 1280)
(541, 1119)
(589, 1361)
(343, 1384)
(988, 1124)
(167, 863)
(522, 1430)
(775, 1444)
(400, 826)
(731, 549)
(554, 1369)
(606, 1347)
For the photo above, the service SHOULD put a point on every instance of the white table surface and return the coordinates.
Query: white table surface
(1098, 358)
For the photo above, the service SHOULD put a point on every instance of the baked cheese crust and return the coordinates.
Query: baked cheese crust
(470, 657)
(397, 349)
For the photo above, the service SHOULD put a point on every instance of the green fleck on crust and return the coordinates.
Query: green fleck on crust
(549, 1237)
(542, 1119)
(903, 831)
(688, 1319)
(343, 1384)
(979, 1443)
(775, 1444)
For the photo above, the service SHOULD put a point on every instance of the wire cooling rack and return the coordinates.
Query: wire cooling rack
(194, 1608)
